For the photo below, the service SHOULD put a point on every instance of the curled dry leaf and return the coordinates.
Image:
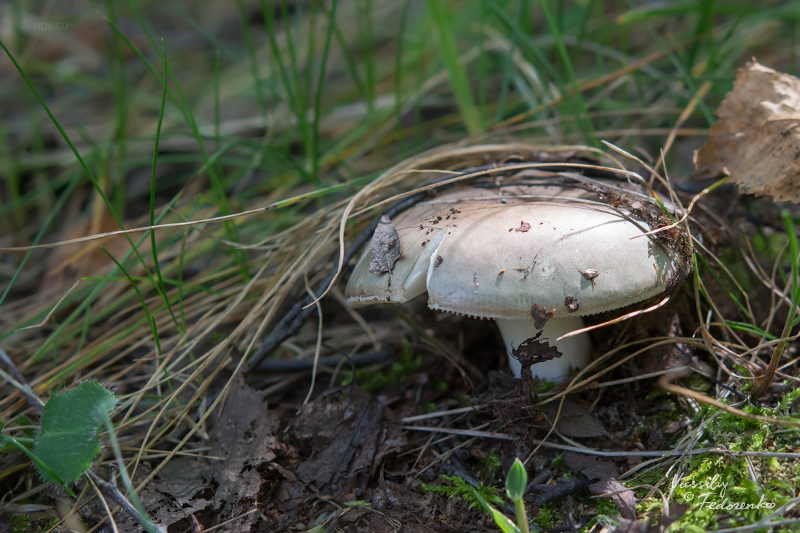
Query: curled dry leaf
(756, 139)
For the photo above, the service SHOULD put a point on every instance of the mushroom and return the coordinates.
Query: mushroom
(533, 258)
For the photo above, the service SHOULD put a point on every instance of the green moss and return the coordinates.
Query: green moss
(376, 380)
(464, 400)
(790, 403)
(721, 491)
(441, 385)
(548, 517)
(607, 514)
(429, 407)
(25, 524)
(545, 386)
(557, 463)
(462, 489)
(491, 465)
(698, 383)
(651, 477)
(20, 523)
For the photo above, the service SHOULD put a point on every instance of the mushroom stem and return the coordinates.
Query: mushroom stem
(575, 350)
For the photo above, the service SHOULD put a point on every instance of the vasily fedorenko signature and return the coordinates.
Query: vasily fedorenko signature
(712, 493)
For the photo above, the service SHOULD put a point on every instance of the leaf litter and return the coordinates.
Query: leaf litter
(226, 484)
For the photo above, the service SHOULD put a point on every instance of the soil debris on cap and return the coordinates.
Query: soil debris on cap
(572, 304)
(541, 315)
(523, 227)
(590, 274)
(384, 247)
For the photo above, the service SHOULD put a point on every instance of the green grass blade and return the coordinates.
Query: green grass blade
(318, 93)
(148, 316)
(750, 328)
(40, 465)
(452, 62)
(153, 244)
(126, 480)
(251, 56)
(722, 284)
(794, 281)
(574, 97)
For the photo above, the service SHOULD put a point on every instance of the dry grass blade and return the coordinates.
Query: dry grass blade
(617, 320)
(665, 382)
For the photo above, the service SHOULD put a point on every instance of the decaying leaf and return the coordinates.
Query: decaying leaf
(532, 351)
(385, 251)
(242, 440)
(605, 473)
(348, 440)
(756, 139)
(541, 315)
(572, 304)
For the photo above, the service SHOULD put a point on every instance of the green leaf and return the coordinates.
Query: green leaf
(9, 443)
(499, 518)
(516, 481)
(70, 424)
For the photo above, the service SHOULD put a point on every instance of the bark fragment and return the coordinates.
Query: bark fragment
(384, 247)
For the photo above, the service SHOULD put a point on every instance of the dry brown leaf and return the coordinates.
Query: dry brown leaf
(756, 139)
(575, 420)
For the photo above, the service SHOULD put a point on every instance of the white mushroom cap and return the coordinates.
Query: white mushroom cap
(496, 257)
(493, 270)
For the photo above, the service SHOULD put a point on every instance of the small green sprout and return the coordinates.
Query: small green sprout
(516, 481)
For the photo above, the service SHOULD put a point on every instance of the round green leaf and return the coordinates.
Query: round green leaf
(70, 424)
